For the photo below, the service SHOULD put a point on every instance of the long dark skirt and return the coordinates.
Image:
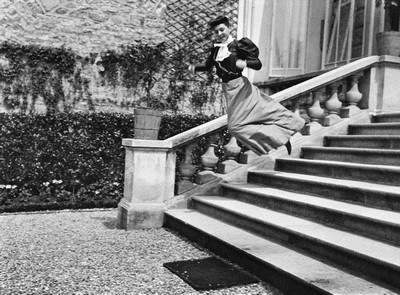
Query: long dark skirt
(255, 119)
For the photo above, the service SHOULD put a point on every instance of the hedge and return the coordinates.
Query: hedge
(69, 160)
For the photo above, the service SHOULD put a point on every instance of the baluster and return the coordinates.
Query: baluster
(316, 113)
(299, 110)
(333, 105)
(352, 97)
(231, 152)
(296, 107)
(323, 97)
(209, 160)
(187, 170)
(305, 102)
(300, 106)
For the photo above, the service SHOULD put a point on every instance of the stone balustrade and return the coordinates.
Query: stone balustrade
(150, 165)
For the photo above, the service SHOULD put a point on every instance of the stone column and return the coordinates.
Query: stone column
(187, 170)
(380, 86)
(149, 182)
(333, 105)
(231, 151)
(353, 97)
(209, 160)
(316, 113)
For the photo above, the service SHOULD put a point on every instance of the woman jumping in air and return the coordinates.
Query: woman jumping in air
(255, 119)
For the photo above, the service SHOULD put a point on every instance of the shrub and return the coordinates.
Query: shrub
(69, 160)
(63, 158)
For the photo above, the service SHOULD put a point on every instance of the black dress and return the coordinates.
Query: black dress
(255, 119)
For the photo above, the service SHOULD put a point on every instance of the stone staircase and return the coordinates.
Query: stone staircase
(326, 223)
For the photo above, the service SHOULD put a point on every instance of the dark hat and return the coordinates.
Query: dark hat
(219, 20)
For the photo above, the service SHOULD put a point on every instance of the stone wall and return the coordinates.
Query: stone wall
(86, 26)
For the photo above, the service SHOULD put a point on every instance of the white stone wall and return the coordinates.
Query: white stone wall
(86, 26)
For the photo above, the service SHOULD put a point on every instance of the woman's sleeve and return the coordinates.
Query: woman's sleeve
(207, 66)
(249, 51)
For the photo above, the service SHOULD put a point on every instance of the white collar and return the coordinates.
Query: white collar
(228, 41)
(223, 51)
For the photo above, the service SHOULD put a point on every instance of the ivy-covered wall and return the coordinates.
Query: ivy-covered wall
(87, 27)
(91, 28)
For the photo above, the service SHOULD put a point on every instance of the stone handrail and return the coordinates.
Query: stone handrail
(327, 78)
(287, 94)
(198, 131)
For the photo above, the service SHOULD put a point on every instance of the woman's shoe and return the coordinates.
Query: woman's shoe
(288, 146)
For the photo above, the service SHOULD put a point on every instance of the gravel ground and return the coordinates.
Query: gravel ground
(82, 252)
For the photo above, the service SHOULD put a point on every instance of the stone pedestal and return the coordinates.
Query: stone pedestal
(205, 176)
(227, 166)
(184, 186)
(349, 111)
(247, 157)
(149, 182)
(331, 119)
(311, 128)
(380, 86)
(140, 215)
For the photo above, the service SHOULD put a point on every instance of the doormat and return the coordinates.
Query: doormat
(209, 273)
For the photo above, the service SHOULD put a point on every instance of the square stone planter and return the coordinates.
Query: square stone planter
(388, 43)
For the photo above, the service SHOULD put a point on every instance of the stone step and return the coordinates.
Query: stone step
(374, 223)
(378, 196)
(360, 254)
(386, 117)
(384, 174)
(374, 129)
(355, 155)
(289, 270)
(363, 141)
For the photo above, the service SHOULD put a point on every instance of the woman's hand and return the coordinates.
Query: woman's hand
(241, 64)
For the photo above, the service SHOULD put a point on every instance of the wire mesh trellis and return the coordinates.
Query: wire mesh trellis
(187, 33)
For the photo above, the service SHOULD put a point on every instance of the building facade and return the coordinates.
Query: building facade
(295, 37)
(302, 36)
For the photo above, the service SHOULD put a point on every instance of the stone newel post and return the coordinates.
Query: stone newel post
(149, 182)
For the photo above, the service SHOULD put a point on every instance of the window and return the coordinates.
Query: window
(289, 37)
(348, 31)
